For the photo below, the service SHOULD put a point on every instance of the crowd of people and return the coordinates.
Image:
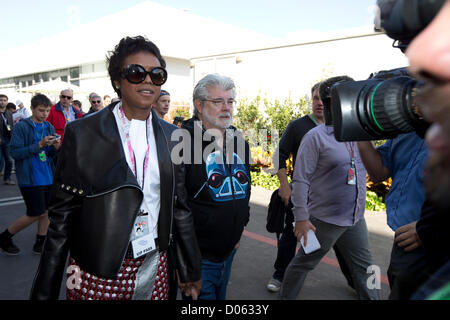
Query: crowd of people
(136, 224)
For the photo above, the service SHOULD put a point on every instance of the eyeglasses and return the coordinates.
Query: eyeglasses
(219, 103)
(136, 73)
(66, 97)
(95, 101)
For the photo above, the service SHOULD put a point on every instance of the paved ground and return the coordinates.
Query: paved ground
(252, 268)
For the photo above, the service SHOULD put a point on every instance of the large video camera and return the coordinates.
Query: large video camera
(384, 105)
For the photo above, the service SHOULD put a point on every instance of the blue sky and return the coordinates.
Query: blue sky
(23, 23)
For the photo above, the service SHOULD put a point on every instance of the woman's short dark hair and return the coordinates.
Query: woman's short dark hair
(127, 46)
(40, 99)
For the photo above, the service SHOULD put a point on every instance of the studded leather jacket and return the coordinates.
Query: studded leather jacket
(94, 202)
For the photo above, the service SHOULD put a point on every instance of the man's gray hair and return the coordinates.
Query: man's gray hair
(67, 89)
(94, 96)
(212, 80)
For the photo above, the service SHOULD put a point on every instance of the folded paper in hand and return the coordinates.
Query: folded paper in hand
(312, 243)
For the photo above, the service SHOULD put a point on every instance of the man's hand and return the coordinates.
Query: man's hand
(407, 238)
(301, 229)
(285, 192)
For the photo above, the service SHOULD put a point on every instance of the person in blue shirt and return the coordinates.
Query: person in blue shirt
(403, 159)
(33, 145)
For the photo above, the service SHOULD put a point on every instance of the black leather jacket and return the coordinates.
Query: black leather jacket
(95, 199)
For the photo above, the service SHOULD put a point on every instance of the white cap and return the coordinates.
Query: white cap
(18, 103)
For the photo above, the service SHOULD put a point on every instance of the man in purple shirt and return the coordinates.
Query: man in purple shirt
(328, 195)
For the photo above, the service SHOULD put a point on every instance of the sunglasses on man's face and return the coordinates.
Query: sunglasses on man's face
(66, 97)
(136, 73)
(96, 101)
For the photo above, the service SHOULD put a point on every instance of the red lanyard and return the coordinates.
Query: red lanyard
(131, 152)
(351, 151)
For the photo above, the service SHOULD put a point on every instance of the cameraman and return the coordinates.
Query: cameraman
(403, 159)
(429, 56)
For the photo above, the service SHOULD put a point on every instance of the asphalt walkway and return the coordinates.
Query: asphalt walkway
(252, 267)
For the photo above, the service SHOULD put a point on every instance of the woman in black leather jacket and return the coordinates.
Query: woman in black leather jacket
(118, 205)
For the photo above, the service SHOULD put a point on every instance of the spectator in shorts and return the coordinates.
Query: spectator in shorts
(32, 145)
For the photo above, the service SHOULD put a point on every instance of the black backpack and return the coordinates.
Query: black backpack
(275, 214)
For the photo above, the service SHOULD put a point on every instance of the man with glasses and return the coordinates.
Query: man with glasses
(63, 112)
(96, 103)
(218, 183)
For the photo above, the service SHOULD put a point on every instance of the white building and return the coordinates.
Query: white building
(194, 46)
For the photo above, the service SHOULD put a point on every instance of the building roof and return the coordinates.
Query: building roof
(177, 33)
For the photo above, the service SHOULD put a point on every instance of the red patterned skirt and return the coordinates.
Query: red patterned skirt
(82, 285)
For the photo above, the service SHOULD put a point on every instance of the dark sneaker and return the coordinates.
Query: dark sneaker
(9, 247)
(37, 247)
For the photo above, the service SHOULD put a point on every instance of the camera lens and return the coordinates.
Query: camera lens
(375, 109)
(392, 107)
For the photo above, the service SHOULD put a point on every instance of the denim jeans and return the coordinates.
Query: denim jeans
(5, 155)
(215, 277)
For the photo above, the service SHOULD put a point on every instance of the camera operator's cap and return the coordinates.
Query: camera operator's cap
(18, 103)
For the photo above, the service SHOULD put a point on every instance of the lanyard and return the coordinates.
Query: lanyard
(131, 152)
(67, 115)
(351, 151)
(314, 119)
(36, 132)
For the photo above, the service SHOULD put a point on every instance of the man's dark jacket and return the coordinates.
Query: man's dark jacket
(95, 200)
(4, 133)
(219, 219)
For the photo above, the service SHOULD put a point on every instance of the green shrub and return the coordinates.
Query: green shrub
(270, 182)
(261, 113)
(265, 180)
(374, 202)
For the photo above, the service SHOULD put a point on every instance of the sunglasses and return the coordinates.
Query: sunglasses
(95, 101)
(66, 97)
(136, 73)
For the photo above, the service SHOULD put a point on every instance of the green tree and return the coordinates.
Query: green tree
(281, 113)
(249, 115)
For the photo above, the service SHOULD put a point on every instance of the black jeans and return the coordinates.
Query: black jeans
(408, 271)
(5, 155)
(287, 244)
